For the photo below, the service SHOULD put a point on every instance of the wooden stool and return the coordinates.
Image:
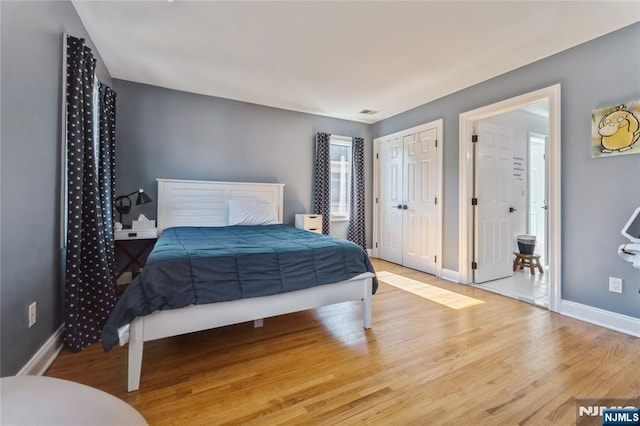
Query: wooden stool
(530, 260)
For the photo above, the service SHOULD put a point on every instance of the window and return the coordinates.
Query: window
(340, 155)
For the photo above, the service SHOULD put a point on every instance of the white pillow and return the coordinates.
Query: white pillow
(251, 212)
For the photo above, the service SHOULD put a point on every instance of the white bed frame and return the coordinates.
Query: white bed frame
(204, 203)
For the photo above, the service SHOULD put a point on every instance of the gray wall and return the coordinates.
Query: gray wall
(164, 133)
(31, 63)
(598, 195)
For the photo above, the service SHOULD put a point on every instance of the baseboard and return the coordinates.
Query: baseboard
(40, 362)
(611, 320)
(449, 275)
(370, 252)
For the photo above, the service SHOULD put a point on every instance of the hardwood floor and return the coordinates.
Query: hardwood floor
(502, 362)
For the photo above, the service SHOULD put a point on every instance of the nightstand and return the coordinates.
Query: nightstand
(133, 246)
(310, 222)
(136, 234)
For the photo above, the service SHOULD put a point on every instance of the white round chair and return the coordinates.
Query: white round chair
(38, 400)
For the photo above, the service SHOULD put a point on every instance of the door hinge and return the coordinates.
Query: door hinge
(474, 265)
(376, 245)
(474, 201)
(474, 138)
(376, 200)
(436, 143)
(435, 259)
(436, 201)
(377, 156)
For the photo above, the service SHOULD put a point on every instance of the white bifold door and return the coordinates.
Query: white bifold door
(407, 203)
(390, 199)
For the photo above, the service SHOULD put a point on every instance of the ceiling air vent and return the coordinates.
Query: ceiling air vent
(368, 111)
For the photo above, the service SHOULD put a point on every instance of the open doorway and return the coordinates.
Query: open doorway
(489, 241)
(510, 189)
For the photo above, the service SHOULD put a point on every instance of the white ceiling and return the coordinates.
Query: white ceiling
(337, 58)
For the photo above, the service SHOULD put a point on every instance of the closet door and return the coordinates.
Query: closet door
(420, 187)
(390, 197)
(408, 189)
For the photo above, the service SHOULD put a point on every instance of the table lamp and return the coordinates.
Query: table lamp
(123, 202)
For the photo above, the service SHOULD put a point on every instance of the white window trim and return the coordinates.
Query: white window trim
(339, 219)
(345, 141)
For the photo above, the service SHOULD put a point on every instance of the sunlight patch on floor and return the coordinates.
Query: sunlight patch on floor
(435, 294)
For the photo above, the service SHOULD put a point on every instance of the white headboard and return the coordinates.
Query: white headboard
(206, 203)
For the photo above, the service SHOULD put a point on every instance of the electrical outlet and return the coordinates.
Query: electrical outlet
(32, 314)
(615, 285)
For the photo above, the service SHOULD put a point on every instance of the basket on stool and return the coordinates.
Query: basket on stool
(526, 244)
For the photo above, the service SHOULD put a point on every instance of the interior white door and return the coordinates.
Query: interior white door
(390, 197)
(420, 185)
(493, 249)
(538, 195)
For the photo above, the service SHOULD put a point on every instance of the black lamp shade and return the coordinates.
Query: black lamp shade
(123, 202)
(143, 198)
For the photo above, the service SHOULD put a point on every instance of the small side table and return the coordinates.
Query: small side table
(310, 222)
(136, 258)
(532, 261)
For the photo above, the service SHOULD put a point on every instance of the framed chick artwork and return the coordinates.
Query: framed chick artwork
(615, 130)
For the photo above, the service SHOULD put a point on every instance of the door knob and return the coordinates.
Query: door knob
(545, 207)
(512, 209)
(399, 207)
(404, 207)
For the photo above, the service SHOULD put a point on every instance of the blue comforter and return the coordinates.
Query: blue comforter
(197, 265)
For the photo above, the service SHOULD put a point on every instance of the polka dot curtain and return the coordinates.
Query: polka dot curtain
(323, 179)
(90, 291)
(107, 167)
(356, 231)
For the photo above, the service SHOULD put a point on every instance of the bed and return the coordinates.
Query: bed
(278, 269)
